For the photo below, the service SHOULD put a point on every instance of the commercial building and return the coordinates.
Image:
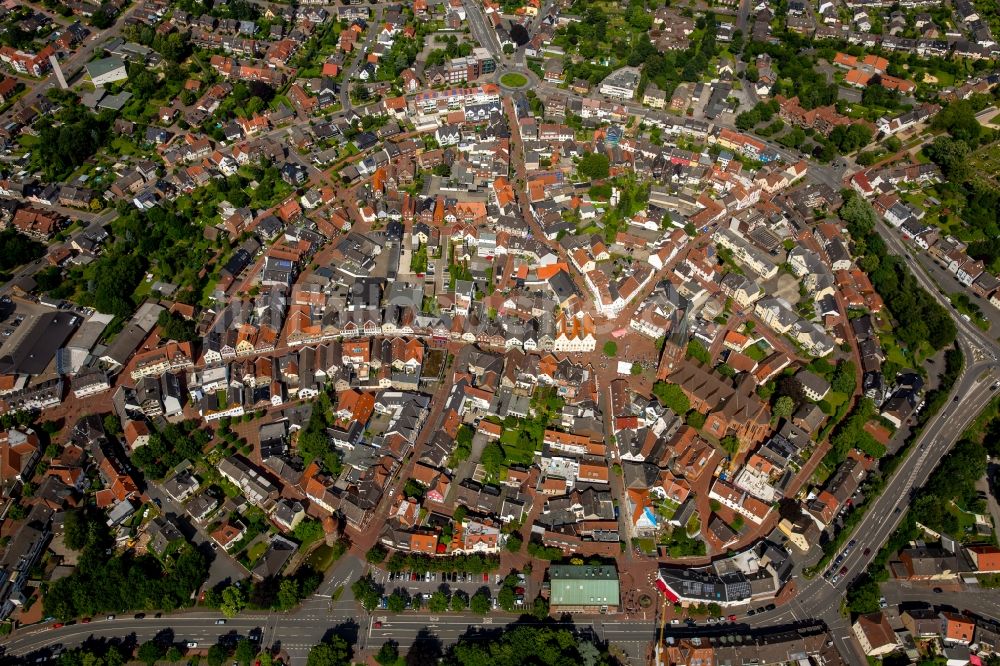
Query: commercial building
(584, 589)
(107, 70)
(621, 84)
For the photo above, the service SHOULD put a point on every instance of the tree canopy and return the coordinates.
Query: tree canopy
(594, 166)
(541, 646)
(333, 652)
(672, 397)
(125, 582)
(18, 249)
(919, 317)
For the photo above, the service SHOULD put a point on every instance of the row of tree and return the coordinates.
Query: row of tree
(919, 317)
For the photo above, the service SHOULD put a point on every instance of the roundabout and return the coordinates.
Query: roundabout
(513, 80)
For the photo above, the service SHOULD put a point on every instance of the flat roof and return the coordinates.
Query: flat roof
(103, 66)
(583, 585)
(37, 349)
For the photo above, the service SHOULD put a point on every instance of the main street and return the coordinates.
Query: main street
(295, 632)
(818, 597)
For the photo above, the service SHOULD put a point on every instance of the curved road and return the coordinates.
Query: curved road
(818, 598)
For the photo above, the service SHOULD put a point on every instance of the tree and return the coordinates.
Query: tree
(540, 608)
(519, 34)
(438, 602)
(844, 380)
(527, 645)
(175, 327)
(859, 216)
(149, 652)
(173, 654)
(367, 592)
(388, 654)
(333, 652)
(730, 444)
(308, 531)
(672, 397)
(77, 529)
(234, 600)
(377, 554)
(244, 652)
(216, 655)
(696, 420)
(480, 603)
(18, 249)
(506, 598)
(783, 408)
(698, 352)
(863, 595)
(636, 370)
(459, 601)
(288, 593)
(396, 602)
(594, 166)
(493, 458)
(950, 155)
(611, 349)
(514, 543)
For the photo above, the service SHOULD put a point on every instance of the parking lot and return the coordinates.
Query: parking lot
(425, 583)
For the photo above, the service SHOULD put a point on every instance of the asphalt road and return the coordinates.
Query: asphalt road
(819, 598)
(293, 632)
(296, 632)
(971, 598)
(483, 31)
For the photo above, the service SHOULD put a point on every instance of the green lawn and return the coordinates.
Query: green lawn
(321, 558)
(514, 80)
(836, 399)
(667, 508)
(256, 550)
(515, 451)
(756, 352)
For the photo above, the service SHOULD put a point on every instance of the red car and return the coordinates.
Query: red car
(85, 620)
(378, 625)
(732, 618)
(57, 625)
